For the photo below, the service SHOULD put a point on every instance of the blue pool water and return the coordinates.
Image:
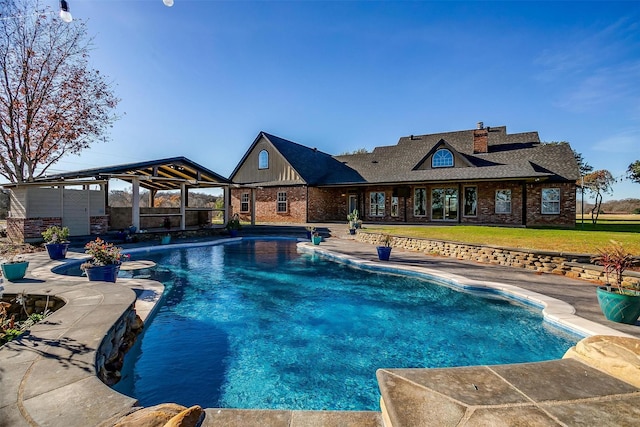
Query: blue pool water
(257, 325)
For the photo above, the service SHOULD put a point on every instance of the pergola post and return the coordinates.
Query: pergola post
(135, 208)
(183, 198)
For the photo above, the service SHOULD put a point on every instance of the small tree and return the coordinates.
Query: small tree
(598, 183)
(51, 102)
(633, 172)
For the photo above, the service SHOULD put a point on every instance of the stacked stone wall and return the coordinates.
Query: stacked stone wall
(119, 339)
(576, 266)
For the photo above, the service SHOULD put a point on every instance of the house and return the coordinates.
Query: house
(478, 176)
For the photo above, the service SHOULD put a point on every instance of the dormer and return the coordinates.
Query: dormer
(442, 156)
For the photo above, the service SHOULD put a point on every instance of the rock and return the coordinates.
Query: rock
(187, 418)
(617, 356)
(153, 416)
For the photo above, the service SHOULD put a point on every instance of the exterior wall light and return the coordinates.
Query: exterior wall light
(64, 12)
(168, 3)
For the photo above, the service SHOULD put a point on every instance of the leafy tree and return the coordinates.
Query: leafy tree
(51, 102)
(633, 172)
(598, 183)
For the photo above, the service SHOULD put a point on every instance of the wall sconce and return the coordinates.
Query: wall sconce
(168, 3)
(64, 11)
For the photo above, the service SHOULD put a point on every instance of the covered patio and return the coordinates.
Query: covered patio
(171, 174)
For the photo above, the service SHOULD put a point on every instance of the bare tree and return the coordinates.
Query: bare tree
(598, 183)
(51, 102)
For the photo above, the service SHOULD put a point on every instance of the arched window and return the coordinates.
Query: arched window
(263, 160)
(442, 159)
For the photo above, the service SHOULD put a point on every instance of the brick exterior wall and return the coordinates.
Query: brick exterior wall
(266, 203)
(567, 215)
(331, 204)
(99, 224)
(29, 229)
(327, 204)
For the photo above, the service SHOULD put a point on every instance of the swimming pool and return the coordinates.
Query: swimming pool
(255, 324)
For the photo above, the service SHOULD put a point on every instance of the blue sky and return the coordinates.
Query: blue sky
(202, 78)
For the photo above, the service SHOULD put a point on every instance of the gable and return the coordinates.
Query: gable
(427, 162)
(278, 168)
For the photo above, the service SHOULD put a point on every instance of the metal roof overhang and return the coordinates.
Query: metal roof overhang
(164, 174)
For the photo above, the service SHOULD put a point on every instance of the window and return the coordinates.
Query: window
(394, 206)
(444, 204)
(550, 200)
(244, 202)
(282, 202)
(470, 201)
(503, 201)
(263, 160)
(376, 205)
(442, 159)
(420, 202)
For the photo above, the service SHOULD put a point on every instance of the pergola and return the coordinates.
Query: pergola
(175, 173)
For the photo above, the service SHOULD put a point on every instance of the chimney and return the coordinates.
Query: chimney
(480, 139)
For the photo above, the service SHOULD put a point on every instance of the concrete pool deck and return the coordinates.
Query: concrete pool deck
(48, 377)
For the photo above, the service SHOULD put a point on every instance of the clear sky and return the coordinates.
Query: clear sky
(201, 79)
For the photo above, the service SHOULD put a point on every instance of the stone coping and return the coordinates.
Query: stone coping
(48, 377)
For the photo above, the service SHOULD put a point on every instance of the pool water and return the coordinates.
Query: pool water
(257, 325)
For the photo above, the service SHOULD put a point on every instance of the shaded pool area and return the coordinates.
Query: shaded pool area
(255, 324)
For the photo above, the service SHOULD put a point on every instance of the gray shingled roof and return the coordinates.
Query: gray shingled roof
(315, 167)
(516, 156)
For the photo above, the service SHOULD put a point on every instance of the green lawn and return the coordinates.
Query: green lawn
(558, 240)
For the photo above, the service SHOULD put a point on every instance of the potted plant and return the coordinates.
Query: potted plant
(14, 269)
(353, 221)
(105, 261)
(310, 230)
(384, 249)
(316, 238)
(56, 241)
(233, 225)
(618, 304)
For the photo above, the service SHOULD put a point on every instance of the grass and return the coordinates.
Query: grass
(577, 240)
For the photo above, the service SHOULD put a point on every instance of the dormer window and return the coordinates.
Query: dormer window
(263, 160)
(442, 158)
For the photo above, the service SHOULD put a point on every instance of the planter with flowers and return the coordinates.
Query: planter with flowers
(310, 230)
(233, 226)
(316, 238)
(105, 261)
(384, 250)
(619, 304)
(14, 269)
(56, 241)
(353, 221)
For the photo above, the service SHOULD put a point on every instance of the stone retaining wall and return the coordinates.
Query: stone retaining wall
(119, 339)
(576, 266)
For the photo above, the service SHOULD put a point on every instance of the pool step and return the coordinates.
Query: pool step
(283, 418)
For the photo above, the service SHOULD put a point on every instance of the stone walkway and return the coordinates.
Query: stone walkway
(48, 377)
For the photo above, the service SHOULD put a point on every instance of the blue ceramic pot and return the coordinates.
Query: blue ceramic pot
(621, 308)
(384, 252)
(57, 250)
(15, 270)
(103, 273)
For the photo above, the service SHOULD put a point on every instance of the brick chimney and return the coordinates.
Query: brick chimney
(480, 139)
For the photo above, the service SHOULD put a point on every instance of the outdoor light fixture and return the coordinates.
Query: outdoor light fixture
(168, 3)
(64, 11)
